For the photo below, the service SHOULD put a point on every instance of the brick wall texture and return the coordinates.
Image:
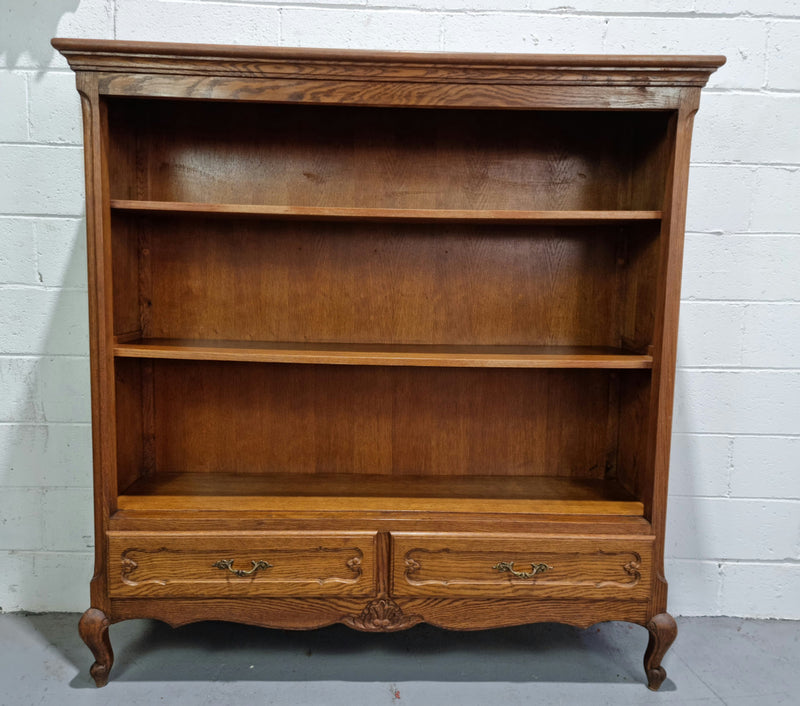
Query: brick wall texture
(733, 544)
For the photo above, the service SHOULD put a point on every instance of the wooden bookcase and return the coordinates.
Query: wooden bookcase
(380, 338)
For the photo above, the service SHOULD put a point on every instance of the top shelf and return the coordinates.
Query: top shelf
(402, 215)
(453, 356)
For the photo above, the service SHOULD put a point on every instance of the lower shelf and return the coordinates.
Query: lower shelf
(360, 492)
(451, 356)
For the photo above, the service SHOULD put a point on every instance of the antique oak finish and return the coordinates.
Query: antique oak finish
(382, 338)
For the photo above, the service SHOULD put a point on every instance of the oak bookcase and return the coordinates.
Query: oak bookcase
(382, 338)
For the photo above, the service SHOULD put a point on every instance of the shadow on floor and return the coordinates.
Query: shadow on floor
(148, 650)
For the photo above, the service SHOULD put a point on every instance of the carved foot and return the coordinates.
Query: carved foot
(663, 631)
(93, 629)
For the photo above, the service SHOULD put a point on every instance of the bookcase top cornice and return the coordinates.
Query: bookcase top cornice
(360, 65)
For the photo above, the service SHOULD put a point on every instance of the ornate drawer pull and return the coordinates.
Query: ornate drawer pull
(228, 564)
(509, 567)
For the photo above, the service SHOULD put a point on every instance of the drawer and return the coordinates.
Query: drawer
(233, 564)
(546, 566)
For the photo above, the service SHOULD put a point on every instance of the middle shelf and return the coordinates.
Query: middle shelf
(378, 215)
(456, 356)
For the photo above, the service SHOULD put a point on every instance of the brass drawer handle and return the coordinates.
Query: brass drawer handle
(228, 564)
(509, 567)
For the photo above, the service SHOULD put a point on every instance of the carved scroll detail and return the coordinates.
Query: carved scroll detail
(129, 565)
(631, 568)
(412, 565)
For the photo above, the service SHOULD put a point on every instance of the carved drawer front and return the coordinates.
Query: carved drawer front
(262, 564)
(523, 566)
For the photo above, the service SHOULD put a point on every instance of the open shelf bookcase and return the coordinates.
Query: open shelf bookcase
(382, 338)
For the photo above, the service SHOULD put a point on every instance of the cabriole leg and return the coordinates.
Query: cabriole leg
(663, 631)
(93, 628)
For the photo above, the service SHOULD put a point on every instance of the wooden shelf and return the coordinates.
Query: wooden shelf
(403, 215)
(360, 492)
(385, 354)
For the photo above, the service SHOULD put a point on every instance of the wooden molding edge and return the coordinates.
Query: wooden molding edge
(385, 66)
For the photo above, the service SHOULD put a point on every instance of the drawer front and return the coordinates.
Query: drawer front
(523, 566)
(260, 564)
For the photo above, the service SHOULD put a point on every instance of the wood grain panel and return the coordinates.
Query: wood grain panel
(311, 613)
(129, 389)
(376, 420)
(407, 284)
(183, 565)
(360, 157)
(126, 253)
(579, 567)
(633, 466)
(639, 264)
(395, 94)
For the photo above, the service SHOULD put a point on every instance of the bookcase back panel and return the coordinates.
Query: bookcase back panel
(633, 470)
(127, 288)
(133, 401)
(377, 157)
(248, 279)
(251, 418)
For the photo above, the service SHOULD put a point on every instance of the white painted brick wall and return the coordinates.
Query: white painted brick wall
(47, 455)
(14, 113)
(720, 197)
(21, 519)
(723, 528)
(732, 124)
(209, 22)
(733, 545)
(54, 109)
(783, 47)
(545, 33)
(743, 401)
(776, 206)
(41, 180)
(17, 252)
(777, 586)
(740, 38)
(360, 28)
(61, 252)
(741, 267)
(711, 453)
(776, 460)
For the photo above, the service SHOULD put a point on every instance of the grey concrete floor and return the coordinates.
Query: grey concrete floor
(714, 661)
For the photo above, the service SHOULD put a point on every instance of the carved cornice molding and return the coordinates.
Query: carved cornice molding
(383, 66)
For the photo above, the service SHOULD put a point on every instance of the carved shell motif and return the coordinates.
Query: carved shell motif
(382, 615)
